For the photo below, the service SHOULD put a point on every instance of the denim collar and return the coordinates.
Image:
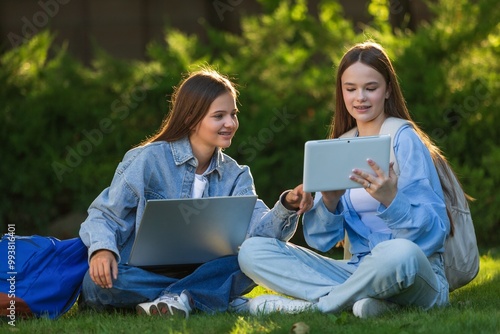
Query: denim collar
(183, 153)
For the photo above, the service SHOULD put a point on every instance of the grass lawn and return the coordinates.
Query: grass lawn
(474, 309)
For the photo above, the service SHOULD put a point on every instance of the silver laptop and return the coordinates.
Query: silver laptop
(191, 231)
(328, 163)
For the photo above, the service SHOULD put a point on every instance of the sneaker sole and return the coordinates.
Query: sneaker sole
(153, 310)
(164, 310)
(141, 311)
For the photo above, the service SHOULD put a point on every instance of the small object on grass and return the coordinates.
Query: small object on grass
(299, 328)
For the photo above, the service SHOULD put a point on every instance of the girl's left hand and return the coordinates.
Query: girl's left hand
(299, 200)
(382, 187)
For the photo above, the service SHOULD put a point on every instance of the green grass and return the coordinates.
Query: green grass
(474, 309)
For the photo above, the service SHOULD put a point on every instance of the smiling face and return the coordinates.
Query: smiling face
(218, 127)
(364, 91)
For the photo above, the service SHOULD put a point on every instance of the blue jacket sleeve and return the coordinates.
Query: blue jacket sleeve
(322, 228)
(418, 211)
(109, 223)
(277, 222)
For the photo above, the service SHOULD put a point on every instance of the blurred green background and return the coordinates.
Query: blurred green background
(65, 125)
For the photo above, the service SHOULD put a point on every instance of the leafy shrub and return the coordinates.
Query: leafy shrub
(66, 126)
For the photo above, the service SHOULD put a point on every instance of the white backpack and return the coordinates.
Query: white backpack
(461, 255)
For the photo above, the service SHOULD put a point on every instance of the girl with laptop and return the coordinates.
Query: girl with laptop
(397, 224)
(183, 159)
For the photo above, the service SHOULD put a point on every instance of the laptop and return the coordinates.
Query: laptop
(190, 231)
(328, 163)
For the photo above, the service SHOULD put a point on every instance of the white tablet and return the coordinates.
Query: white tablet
(328, 163)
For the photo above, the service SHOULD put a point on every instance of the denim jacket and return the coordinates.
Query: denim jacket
(163, 170)
(417, 213)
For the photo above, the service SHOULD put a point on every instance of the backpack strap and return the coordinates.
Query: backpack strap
(351, 133)
(391, 127)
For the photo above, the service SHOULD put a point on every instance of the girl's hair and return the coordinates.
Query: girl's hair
(190, 103)
(373, 55)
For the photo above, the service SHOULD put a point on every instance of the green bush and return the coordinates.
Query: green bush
(66, 126)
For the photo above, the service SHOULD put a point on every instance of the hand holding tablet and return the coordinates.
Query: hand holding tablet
(328, 163)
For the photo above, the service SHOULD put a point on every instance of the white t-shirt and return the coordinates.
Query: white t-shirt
(200, 182)
(366, 206)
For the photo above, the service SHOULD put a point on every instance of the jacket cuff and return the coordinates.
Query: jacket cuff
(400, 208)
(99, 246)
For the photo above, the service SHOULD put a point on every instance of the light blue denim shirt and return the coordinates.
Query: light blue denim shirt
(417, 213)
(167, 170)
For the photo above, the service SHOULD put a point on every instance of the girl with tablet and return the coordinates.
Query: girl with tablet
(184, 159)
(397, 224)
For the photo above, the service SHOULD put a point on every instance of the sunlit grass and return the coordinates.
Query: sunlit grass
(474, 308)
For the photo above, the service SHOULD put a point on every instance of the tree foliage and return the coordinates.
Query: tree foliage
(66, 126)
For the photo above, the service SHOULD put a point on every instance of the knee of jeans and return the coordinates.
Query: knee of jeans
(87, 284)
(250, 251)
(394, 252)
(93, 295)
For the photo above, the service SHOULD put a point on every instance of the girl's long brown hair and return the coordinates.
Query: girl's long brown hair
(190, 103)
(373, 55)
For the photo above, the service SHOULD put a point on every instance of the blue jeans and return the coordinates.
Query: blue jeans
(396, 270)
(212, 285)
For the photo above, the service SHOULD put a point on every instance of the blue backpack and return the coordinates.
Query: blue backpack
(40, 276)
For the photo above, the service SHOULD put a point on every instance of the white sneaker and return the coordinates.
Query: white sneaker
(371, 307)
(148, 308)
(265, 304)
(168, 305)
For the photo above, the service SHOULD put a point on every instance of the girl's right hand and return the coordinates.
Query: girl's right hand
(103, 268)
(331, 198)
